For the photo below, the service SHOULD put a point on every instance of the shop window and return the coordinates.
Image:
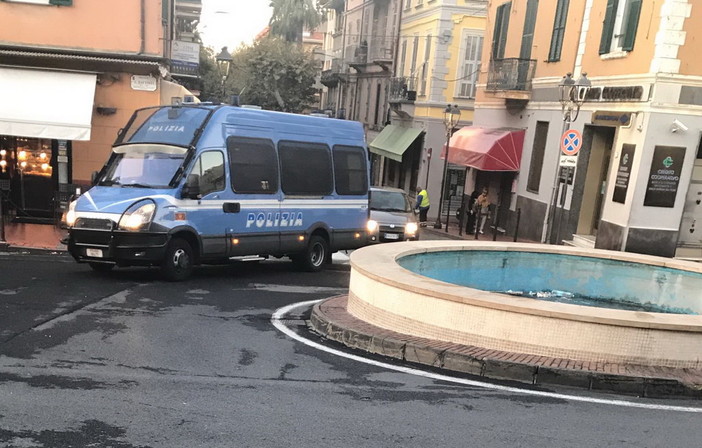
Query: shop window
(305, 169)
(253, 165)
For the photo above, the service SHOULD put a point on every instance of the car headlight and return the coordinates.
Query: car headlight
(372, 225)
(71, 214)
(138, 216)
(411, 228)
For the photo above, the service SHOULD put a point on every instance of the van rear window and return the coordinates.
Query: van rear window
(350, 171)
(253, 165)
(305, 169)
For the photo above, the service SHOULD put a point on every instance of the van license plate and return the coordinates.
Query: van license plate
(95, 253)
(392, 236)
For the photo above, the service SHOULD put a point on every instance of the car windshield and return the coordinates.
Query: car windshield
(142, 166)
(390, 201)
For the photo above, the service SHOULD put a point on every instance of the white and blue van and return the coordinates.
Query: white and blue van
(201, 184)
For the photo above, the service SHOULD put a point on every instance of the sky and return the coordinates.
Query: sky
(231, 22)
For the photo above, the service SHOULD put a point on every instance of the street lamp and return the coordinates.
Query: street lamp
(224, 60)
(451, 116)
(572, 96)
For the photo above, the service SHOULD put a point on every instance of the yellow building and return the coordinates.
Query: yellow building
(438, 61)
(635, 184)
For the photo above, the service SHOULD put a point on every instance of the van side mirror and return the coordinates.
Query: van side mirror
(191, 189)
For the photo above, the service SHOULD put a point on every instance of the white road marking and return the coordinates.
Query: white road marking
(281, 312)
(294, 289)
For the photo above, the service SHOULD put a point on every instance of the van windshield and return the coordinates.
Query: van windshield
(142, 166)
(389, 201)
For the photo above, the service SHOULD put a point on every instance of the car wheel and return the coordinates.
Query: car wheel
(101, 267)
(178, 262)
(316, 255)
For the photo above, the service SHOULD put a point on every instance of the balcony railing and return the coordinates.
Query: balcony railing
(511, 74)
(381, 49)
(330, 77)
(403, 90)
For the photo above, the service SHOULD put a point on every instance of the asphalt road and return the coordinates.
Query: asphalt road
(126, 360)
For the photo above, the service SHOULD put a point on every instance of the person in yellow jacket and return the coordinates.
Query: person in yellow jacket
(422, 205)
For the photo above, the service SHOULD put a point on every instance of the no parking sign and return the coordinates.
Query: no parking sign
(571, 142)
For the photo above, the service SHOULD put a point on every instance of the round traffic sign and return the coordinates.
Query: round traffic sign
(571, 142)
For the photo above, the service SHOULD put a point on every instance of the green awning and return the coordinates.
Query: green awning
(393, 141)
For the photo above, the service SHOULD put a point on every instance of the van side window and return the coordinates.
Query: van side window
(350, 172)
(305, 168)
(210, 170)
(253, 165)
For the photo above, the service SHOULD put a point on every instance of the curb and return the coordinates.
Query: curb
(359, 335)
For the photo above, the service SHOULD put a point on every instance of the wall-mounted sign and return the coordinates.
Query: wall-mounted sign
(664, 177)
(147, 83)
(185, 58)
(618, 93)
(609, 118)
(621, 184)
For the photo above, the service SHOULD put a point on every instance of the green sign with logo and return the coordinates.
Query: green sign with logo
(664, 177)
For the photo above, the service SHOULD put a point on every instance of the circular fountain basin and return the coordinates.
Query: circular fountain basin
(611, 307)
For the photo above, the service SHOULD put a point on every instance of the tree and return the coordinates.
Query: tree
(273, 74)
(290, 17)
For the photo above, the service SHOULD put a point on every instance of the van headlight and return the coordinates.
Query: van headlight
(71, 214)
(372, 226)
(411, 228)
(138, 216)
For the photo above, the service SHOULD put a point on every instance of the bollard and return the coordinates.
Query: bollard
(495, 221)
(516, 226)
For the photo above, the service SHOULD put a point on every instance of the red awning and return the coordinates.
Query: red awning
(487, 149)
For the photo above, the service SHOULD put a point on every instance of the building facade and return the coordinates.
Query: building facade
(439, 59)
(67, 94)
(636, 183)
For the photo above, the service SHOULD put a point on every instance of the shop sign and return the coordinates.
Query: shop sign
(621, 184)
(664, 177)
(609, 118)
(185, 58)
(144, 82)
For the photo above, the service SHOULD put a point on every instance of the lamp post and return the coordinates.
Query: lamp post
(451, 116)
(572, 96)
(224, 60)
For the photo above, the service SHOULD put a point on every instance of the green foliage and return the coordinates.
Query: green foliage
(290, 17)
(271, 73)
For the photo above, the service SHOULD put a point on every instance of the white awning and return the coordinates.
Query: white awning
(46, 104)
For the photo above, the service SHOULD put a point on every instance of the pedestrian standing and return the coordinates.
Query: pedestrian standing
(422, 205)
(482, 210)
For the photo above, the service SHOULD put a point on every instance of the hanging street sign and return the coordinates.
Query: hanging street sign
(571, 142)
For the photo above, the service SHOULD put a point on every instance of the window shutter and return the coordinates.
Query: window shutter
(505, 26)
(496, 34)
(608, 26)
(632, 24)
(61, 2)
(528, 33)
(559, 25)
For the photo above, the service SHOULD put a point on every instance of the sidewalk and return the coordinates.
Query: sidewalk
(331, 320)
(430, 233)
(36, 236)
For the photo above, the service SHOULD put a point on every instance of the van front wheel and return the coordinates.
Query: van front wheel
(316, 255)
(178, 263)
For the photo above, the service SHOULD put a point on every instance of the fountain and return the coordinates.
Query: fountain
(600, 306)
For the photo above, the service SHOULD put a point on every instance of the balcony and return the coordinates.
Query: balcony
(380, 51)
(511, 78)
(332, 75)
(403, 90)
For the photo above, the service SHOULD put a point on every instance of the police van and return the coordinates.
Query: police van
(201, 184)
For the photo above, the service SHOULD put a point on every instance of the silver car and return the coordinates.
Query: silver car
(392, 217)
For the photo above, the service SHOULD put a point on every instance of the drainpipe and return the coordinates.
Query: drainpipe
(142, 46)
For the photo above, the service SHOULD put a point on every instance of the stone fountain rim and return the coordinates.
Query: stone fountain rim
(380, 262)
